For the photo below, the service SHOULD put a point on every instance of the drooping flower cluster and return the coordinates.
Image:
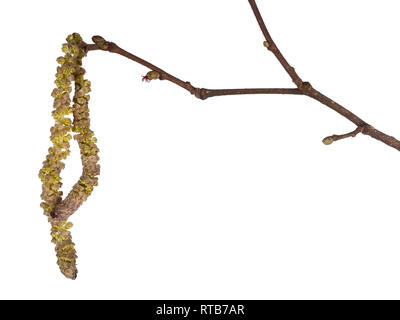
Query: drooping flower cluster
(70, 70)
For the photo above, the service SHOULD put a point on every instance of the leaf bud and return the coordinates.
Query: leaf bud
(100, 42)
(328, 140)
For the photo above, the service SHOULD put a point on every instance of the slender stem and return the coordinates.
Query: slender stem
(273, 48)
(335, 137)
(227, 92)
(200, 93)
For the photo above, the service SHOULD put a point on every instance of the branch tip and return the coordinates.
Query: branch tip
(328, 140)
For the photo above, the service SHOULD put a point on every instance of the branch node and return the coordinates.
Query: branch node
(306, 87)
(202, 94)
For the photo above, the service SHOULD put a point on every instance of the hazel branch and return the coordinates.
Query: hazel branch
(303, 87)
(59, 210)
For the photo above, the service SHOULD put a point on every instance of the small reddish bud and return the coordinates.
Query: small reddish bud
(151, 75)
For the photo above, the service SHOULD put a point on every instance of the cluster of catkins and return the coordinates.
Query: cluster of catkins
(58, 210)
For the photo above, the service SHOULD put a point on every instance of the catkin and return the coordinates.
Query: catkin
(58, 210)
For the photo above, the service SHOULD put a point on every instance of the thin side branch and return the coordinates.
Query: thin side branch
(270, 44)
(335, 137)
(200, 93)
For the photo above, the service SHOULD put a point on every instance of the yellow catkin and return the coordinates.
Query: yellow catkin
(68, 71)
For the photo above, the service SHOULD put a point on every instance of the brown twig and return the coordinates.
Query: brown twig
(303, 88)
(228, 92)
(335, 137)
(270, 44)
(200, 93)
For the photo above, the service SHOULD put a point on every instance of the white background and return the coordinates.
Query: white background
(228, 198)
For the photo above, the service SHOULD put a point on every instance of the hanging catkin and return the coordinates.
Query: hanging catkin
(55, 208)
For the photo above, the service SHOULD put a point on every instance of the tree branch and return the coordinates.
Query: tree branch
(303, 88)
